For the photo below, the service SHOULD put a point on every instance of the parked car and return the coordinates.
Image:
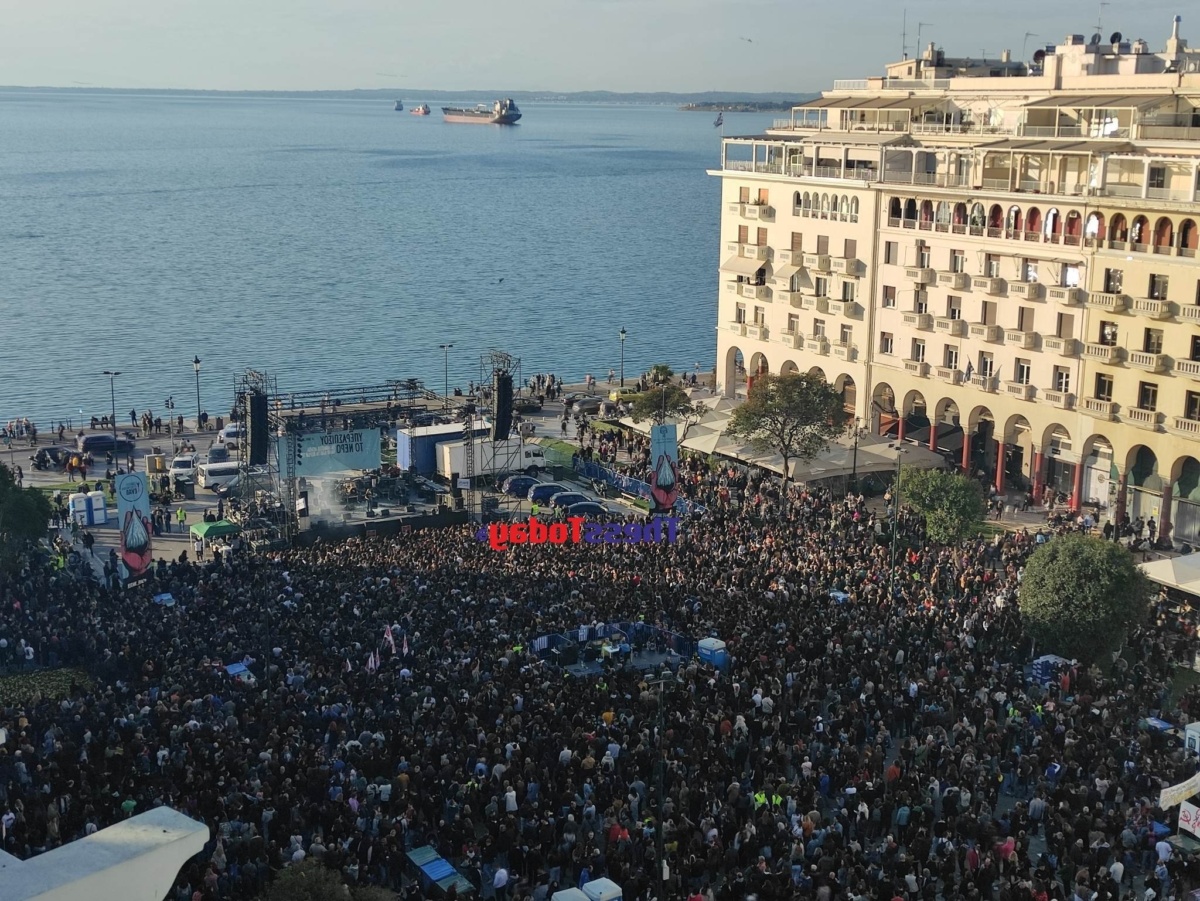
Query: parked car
(567, 498)
(626, 394)
(518, 486)
(183, 466)
(260, 479)
(231, 434)
(589, 405)
(590, 509)
(218, 453)
(102, 443)
(526, 405)
(543, 491)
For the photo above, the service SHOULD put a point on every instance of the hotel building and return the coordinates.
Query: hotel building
(992, 258)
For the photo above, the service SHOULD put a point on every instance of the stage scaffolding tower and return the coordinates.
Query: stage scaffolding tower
(506, 455)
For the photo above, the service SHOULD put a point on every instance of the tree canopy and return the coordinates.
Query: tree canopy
(1080, 596)
(24, 516)
(794, 415)
(667, 403)
(951, 504)
(310, 880)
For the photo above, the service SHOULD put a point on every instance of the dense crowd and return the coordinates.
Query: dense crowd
(876, 735)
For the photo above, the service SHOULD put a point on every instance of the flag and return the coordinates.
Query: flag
(387, 636)
(970, 371)
(370, 664)
(720, 120)
(346, 667)
(404, 651)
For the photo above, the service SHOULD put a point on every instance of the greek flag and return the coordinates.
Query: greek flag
(970, 371)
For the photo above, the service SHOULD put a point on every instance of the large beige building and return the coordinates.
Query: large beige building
(992, 258)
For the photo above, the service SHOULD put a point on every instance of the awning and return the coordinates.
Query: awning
(743, 265)
(825, 103)
(1102, 101)
(1072, 145)
(786, 272)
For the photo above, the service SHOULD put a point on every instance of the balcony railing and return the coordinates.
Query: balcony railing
(1151, 307)
(949, 374)
(922, 321)
(759, 331)
(1022, 390)
(1064, 347)
(1186, 426)
(754, 292)
(1101, 409)
(984, 383)
(791, 339)
(818, 261)
(987, 284)
(1102, 353)
(820, 304)
(1147, 419)
(1018, 338)
(986, 332)
(847, 352)
(817, 345)
(955, 280)
(1108, 301)
(1061, 399)
(1190, 312)
(1027, 290)
(1188, 367)
(1065, 296)
(920, 276)
(845, 266)
(917, 367)
(1147, 361)
(749, 251)
(955, 327)
(738, 328)
(793, 298)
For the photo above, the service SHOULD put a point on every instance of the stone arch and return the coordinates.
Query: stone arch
(789, 367)
(833, 206)
(910, 210)
(1164, 232)
(981, 438)
(1012, 221)
(1185, 477)
(1187, 236)
(1033, 220)
(946, 411)
(824, 206)
(818, 372)
(735, 370)
(1118, 228)
(845, 386)
(1139, 232)
(895, 208)
(1099, 442)
(1073, 227)
(1052, 225)
(1141, 464)
(915, 408)
(806, 203)
(844, 207)
(758, 364)
(1018, 450)
(1055, 432)
(1094, 227)
(978, 217)
(960, 214)
(943, 213)
(883, 412)
(926, 211)
(996, 216)
(853, 209)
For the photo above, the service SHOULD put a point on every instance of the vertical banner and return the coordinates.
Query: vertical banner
(133, 519)
(1189, 818)
(664, 462)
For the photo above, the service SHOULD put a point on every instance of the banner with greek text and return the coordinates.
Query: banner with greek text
(328, 452)
(1177, 794)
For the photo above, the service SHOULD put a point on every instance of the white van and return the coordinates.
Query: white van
(210, 475)
(184, 466)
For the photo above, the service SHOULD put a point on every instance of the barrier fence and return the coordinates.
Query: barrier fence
(629, 485)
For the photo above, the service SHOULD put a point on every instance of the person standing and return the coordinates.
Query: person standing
(181, 515)
(199, 547)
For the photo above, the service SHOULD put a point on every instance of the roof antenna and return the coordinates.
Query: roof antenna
(1028, 35)
(1100, 17)
(904, 35)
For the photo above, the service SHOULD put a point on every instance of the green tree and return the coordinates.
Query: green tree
(667, 403)
(24, 517)
(659, 373)
(310, 880)
(951, 504)
(1080, 596)
(794, 415)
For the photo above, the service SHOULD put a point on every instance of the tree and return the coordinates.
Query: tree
(951, 504)
(24, 516)
(794, 415)
(310, 880)
(1079, 596)
(659, 373)
(667, 402)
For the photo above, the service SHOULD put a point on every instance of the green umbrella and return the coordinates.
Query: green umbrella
(215, 529)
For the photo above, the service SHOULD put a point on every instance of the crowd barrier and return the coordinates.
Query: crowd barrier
(629, 485)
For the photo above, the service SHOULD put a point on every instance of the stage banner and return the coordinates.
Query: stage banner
(1189, 818)
(1176, 794)
(664, 476)
(133, 519)
(327, 452)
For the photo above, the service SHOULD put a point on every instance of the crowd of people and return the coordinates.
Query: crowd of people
(874, 737)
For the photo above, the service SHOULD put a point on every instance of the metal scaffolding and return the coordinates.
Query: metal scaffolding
(506, 456)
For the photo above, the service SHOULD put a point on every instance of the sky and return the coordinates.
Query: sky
(528, 45)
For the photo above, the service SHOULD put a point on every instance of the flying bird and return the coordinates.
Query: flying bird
(500, 280)
(747, 40)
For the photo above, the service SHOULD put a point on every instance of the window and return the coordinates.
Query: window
(1029, 270)
(1147, 396)
(1158, 177)
(891, 252)
(821, 287)
(849, 290)
(818, 328)
(793, 324)
(1104, 387)
(1152, 342)
(950, 356)
(822, 243)
(1191, 406)
(739, 314)
(1062, 379)
(763, 195)
(1195, 348)
(987, 365)
(760, 316)
(920, 302)
(988, 314)
(1024, 371)
(958, 261)
(797, 242)
(762, 238)
(850, 249)
(1108, 334)
(923, 255)
(1066, 326)
(1070, 275)
(887, 343)
(743, 234)
(846, 335)
(1158, 287)
(1025, 319)
(744, 195)
(954, 307)
(889, 297)
(918, 350)
(1114, 279)
(991, 265)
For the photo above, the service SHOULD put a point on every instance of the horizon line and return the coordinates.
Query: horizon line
(88, 88)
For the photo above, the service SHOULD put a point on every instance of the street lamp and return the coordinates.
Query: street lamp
(196, 366)
(112, 392)
(445, 348)
(623, 333)
(854, 466)
(664, 679)
(900, 451)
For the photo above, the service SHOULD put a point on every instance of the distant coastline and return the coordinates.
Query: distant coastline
(745, 106)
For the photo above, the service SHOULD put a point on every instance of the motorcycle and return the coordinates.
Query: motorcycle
(40, 461)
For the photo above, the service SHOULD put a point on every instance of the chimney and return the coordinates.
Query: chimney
(1176, 45)
(1006, 56)
(931, 53)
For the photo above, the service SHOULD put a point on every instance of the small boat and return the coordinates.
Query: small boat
(501, 112)
(422, 110)
(399, 106)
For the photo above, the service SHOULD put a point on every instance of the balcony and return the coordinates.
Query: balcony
(1190, 313)
(984, 383)
(984, 332)
(948, 374)
(917, 367)
(1152, 308)
(1060, 399)
(754, 292)
(922, 321)
(812, 302)
(845, 266)
(987, 284)
(1146, 361)
(1114, 303)
(847, 352)
(1017, 338)
(761, 332)
(955, 280)
(789, 338)
(817, 345)
(758, 252)
(1188, 367)
(955, 327)
(789, 258)
(1146, 419)
(1101, 409)
(817, 261)
(1185, 426)
(1102, 353)
(1066, 296)
(738, 328)
(921, 276)
(1064, 347)
(759, 211)
(1020, 389)
(792, 298)
(1028, 290)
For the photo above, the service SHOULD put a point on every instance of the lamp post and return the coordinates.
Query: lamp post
(445, 348)
(900, 451)
(664, 679)
(623, 333)
(854, 465)
(112, 393)
(196, 366)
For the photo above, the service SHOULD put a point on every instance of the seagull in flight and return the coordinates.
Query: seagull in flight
(747, 40)
(500, 281)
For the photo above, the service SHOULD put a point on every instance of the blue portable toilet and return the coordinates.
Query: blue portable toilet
(79, 510)
(98, 508)
(712, 651)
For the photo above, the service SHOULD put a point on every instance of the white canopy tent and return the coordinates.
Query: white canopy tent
(1181, 573)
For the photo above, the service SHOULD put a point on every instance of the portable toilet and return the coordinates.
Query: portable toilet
(712, 651)
(602, 890)
(1191, 737)
(98, 507)
(77, 508)
(570, 894)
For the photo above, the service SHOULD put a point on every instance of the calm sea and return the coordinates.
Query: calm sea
(335, 243)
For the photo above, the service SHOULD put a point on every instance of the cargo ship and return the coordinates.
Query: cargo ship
(501, 112)
(399, 107)
(422, 110)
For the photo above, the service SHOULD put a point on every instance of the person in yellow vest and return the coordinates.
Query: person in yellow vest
(182, 517)
(760, 798)
(534, 509)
